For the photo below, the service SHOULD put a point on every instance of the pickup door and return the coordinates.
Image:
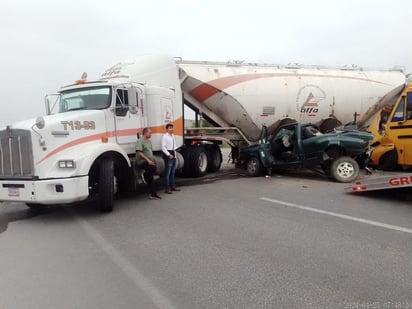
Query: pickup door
(311, 145)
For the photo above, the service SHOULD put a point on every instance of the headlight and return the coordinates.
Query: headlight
(67, 164)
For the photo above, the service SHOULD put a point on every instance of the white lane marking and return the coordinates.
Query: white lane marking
(125, 265)
(334, 214)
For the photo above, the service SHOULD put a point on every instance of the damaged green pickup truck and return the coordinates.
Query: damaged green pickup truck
(338, 153)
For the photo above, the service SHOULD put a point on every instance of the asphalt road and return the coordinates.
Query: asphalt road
(293, 240)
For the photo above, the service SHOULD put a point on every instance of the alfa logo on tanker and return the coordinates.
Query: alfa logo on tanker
(308, 100)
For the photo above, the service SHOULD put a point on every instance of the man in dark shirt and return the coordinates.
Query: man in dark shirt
(145, 160)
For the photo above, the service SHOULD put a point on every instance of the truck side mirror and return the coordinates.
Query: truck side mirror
(50, 105)
(47, 102)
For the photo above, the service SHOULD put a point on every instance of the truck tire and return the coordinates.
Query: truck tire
(344, 169)
(199, 161)
(388, 161)
(214, 158)
(186, 171)
(196, 161)
(106, 185)
(253, 167)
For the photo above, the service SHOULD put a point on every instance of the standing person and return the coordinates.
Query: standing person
(169, 151)
(145, 160)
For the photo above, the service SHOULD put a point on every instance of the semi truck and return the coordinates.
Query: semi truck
(84, 146)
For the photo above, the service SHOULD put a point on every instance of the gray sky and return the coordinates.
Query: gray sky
(47, 43)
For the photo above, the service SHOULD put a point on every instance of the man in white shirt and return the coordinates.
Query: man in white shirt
(169, 151)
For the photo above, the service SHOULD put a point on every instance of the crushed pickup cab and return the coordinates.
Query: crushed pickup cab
(338, 153)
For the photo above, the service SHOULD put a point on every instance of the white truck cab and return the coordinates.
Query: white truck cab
(86, 143)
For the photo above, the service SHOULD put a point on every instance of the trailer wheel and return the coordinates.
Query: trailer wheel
(199, 161)
(253, 167)
(215, 158)
(186, 171)
(344, 169)
(196, 161)
(388, 161)
(106, 185)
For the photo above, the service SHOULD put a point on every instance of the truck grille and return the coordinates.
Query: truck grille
(16, 158)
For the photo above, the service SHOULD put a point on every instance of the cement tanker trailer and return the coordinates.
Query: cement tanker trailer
(250, 95)
(85, 144)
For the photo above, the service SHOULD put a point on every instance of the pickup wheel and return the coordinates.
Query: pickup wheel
(253, 167)
(344, 169)
(106, 185)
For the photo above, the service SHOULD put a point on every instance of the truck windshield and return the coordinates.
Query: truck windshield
(85, 98)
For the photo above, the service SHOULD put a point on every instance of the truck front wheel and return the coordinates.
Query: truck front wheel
(344, 169)
(106, 185)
